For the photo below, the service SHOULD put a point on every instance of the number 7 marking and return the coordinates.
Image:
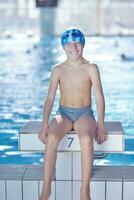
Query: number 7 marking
(71, 140)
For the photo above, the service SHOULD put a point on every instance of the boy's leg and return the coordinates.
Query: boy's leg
(58, 127)
(85, 128)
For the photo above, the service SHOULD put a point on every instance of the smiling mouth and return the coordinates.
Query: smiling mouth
(74, 52)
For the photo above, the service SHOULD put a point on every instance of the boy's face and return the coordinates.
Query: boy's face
(73, 50)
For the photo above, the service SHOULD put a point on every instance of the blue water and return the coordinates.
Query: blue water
(25, 65)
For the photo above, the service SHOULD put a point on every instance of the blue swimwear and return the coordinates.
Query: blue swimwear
(72, 35)
(75, 113)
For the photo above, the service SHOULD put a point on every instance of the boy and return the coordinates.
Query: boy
(75, 77)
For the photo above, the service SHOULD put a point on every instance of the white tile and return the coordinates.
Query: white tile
(113, 190)
(64, 166)
(2, 190)
(113, 143)
(97, 190)
(76, 190)
(14, 190)
(76, 166)
(52, 197)
(128, 193)
(30, 190)
(34, 144)
(63, 190)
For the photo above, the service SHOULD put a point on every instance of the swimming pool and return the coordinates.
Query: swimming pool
(25, 65)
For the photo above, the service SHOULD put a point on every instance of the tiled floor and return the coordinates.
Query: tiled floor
(24, 182)
(107, 183)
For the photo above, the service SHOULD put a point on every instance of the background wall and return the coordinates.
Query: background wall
(92, 16)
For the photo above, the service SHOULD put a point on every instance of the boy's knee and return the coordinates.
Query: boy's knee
(86, 140)
(52, 138)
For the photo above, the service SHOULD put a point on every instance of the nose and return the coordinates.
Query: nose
(73, 45)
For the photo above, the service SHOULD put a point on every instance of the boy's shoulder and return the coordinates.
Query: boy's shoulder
(56, 69)
(56, 66)
(92, 66)
(92, 69)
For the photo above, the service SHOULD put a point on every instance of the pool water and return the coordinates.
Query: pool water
(25, 65)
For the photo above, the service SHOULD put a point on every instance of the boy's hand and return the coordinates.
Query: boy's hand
(101, 134)
(43, 133)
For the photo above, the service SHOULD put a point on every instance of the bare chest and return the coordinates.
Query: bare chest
(75, 79)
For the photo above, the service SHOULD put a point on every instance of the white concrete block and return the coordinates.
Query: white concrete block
(14, 190)
(52, 197)
(64, 190)
(64, 166)
(128, 190)
(76, 166)
(70, 142)
(113, 190)
(97, 190)
(76, 190)
(2, 190)
(114, 143)
(31, 142)
(30, 190)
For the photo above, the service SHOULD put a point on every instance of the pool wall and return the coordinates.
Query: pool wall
(25, 182)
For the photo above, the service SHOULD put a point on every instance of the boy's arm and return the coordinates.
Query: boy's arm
(101, 132)
(49, 101)
(100, 102)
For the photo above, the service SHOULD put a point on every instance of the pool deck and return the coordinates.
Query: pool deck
(23, 182)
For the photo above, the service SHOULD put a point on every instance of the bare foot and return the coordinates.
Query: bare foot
(85, 194)
(45, 194)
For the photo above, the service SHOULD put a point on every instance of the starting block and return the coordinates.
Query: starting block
(29, 141)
